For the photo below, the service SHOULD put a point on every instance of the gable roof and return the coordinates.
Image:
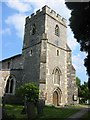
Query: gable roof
(15, 56)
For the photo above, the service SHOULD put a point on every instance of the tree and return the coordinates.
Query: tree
(30, 91)
(85, 91)
(78, 82)
(80, 25)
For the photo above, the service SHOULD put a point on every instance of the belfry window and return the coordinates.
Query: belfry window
(33, 29)
(57, 31)
(10, 85)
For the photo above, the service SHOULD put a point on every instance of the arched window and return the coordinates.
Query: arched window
(56, 77)
(57, 32)
(10, 85)
(33, 29)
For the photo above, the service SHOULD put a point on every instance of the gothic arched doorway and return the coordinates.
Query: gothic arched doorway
(57, 97)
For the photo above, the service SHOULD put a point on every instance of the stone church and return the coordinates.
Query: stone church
(46, 59)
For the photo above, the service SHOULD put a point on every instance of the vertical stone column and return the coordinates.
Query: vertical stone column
(66, 77)
(43, 66)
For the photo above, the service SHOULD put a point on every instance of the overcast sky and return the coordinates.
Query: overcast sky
(12, 27)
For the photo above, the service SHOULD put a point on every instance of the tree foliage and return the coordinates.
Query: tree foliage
(30, 91)
(83, 90)
(78, 81)
(80, 25)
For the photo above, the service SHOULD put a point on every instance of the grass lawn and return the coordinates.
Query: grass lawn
(15, 110)
(52, 112)
(48, 112)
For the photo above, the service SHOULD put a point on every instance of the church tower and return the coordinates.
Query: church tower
(45, 55)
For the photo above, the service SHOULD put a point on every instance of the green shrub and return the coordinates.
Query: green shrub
(29, 91)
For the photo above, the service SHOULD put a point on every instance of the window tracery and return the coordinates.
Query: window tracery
(10, 85)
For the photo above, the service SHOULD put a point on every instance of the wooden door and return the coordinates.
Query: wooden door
(55, 98)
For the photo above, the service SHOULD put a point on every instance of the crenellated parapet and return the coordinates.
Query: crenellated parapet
(47, 10)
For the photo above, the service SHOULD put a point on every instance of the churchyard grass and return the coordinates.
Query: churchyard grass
(48, 112)
(15, 111)
(55, 113)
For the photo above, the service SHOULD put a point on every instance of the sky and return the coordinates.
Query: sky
(12, 21)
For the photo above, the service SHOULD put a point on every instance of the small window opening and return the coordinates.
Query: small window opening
(30, 52)
(33, 29)
(57, 52)
(8, 65)
(57, 30)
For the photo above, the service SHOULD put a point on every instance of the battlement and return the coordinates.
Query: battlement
(48, 11)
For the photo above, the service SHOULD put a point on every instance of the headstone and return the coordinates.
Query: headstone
(40, 106)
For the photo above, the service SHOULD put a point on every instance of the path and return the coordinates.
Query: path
(0, 113)
(78, 115)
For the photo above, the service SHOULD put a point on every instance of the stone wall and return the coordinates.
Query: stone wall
(72, 89)
(39, 58)
(50, 24)
(32, 64)
(11, 66)
(54, 61)
(15, 62)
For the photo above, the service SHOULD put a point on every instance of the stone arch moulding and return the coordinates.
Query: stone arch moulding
(57, 68)
(57, 94)
(57, 76)
(7, 76)
(58, 90)
(5, 80)
(10, 84)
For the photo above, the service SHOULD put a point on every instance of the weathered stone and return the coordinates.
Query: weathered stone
(45, 59)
